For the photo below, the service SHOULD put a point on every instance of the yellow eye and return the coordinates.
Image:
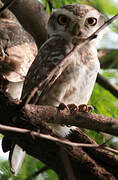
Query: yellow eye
(63, 20)
(91, 21)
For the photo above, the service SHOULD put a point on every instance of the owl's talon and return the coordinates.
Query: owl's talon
(85, 108)
(90, 108)
(62, 107)
(72, 108)
(82, 108)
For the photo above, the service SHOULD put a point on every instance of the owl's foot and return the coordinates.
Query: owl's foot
(62, 107)
(73, 108)
(85, 108)
(70, 107)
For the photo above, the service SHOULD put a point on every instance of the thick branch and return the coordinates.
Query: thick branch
(32, 115)
(84, 120)
(32, 143)
(11, 131)
(47, 150)
(32, 16)
(33, 138)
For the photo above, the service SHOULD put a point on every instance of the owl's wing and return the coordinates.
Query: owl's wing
(20, 47)
(51, 54)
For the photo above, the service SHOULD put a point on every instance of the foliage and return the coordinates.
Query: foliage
(107, 8)
(30, 167)
(104, 103)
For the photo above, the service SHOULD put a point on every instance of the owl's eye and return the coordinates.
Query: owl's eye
(63, 20)
(91, 21)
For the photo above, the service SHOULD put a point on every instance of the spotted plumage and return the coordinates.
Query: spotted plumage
(83, 66)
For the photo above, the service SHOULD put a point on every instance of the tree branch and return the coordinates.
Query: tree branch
(84, 120)
(25, 136)
(33, 17)
(13, 131)
(33, 118)
(107, 85)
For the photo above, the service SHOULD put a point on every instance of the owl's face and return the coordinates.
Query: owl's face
(75, 20)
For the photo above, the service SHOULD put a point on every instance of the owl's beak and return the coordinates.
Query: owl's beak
(76, 30)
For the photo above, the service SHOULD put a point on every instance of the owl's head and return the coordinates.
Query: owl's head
(75, 20)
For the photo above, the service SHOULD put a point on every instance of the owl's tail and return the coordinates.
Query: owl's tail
(16, 158)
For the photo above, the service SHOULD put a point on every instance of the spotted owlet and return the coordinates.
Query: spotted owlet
(75, 83)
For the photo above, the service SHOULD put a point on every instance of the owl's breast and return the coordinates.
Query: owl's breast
(75, 84)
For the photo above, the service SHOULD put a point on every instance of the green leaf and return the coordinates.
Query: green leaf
(104, 102)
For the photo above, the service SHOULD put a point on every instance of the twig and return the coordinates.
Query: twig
(55, 73)
(35, 149)
(104, 143)
(111, 150)
(16, 131)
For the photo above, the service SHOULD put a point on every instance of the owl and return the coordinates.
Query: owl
(17, 52)
(75, 83)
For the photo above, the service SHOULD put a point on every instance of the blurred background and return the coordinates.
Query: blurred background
(103, 101)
